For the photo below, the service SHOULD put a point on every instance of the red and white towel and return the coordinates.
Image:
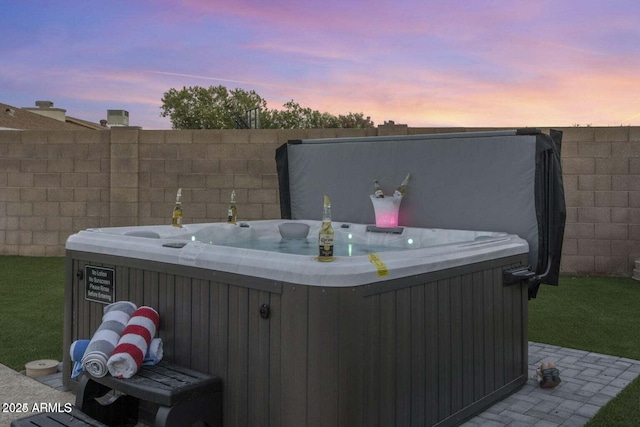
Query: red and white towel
(129, 354)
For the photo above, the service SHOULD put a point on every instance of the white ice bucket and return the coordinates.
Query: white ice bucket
(386, 210)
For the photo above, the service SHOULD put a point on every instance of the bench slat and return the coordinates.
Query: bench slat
(58, 419)
(164, 384)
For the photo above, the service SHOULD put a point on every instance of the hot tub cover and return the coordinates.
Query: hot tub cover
(508, 181)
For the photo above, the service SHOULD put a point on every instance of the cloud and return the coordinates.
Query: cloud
(423, 62)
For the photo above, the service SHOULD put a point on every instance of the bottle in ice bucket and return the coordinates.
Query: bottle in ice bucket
(403, 187)
(177, 210)
(325, 237)
(377, 191)
(232, 210)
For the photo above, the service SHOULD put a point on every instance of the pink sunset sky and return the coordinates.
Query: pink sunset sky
(417, 62)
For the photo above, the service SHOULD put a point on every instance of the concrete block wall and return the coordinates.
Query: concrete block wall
(51, 183)
(54, 183)
(601, 172)
(208, 165)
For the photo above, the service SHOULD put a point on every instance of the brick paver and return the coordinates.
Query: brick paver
(589, 381)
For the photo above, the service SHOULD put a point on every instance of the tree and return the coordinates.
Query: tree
(216, 107)
(293, 116)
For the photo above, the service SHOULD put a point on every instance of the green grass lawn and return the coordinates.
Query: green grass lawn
(598, 314)
(31, 309)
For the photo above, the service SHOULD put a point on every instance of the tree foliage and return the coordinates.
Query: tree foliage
(216, 107)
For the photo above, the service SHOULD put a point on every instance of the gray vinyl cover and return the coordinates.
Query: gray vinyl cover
(484, 181)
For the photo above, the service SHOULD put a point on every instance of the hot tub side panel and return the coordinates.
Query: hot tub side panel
(209, 321)
(431, 349)
(444, 350)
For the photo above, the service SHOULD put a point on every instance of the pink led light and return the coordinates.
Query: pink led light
(387, 219)
(386, 210)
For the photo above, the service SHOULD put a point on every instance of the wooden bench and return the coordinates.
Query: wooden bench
(179, 396)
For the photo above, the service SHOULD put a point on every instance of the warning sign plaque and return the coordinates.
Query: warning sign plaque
(100, 284)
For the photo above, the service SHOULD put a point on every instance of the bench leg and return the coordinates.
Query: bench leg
(92, 399)
(87, 392)
(206, 408)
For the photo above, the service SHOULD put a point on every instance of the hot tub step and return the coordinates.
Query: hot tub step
(182, 396)
(75, 418)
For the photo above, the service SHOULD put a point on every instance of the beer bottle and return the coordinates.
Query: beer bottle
(325, 237)
(177, 210)
(403, 187)
(232, 210)
(377, 191)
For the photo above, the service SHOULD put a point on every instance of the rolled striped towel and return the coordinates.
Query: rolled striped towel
(78, 348)
(77, 351)
(154, 352)
(105, 339)
(132, 347)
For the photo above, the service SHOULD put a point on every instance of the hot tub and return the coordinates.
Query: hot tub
(424, 325)
(407, 323)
